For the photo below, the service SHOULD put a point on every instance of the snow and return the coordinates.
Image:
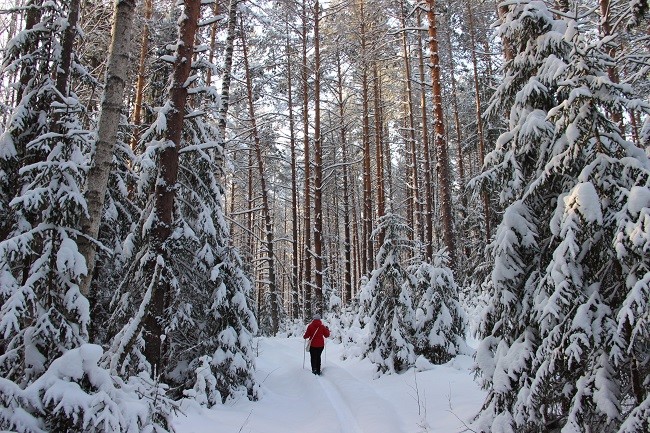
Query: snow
(344, 399)
(639, 199)
(584, 198)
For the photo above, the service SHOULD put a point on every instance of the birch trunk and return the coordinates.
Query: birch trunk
(109, 119)
(227, 67)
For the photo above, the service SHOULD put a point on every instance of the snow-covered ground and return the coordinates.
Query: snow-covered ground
(347, 398)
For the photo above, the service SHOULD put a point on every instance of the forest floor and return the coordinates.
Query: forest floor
(346, 398)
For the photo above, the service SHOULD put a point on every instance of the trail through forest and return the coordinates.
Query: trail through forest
(346, 398)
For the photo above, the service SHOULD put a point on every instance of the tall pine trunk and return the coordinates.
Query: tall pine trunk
(165, 189)
(428, 183)
(440, 143)
(379, 143)
(367, 250)
(295, 305)
(307, 256)
(479, 118)
(413, 189)
(266, 208)
(347, 239)
(318, 169)
(139, 87)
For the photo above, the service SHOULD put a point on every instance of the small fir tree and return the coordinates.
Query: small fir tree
(390, 311)
(440, 322)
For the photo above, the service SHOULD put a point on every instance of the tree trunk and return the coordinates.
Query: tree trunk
(266, 209)
(457, 125)
(307, 209)
(318, 170)
(428, 183)
(295, 306)
(213, 40)
(441, 144)
(479, 117)
(109, 119)
(413, 188)
(606, 30)
(32, 18)
(508, 54)
(358, 264)
(13, 181)
(250, 247)
(347, 241)
(379, 154)
(459, 137)
(368, 255)
(165, 190)
(227, 67)
(67, 45)
(139, 87)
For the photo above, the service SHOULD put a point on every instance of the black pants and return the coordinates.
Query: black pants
(314, 353)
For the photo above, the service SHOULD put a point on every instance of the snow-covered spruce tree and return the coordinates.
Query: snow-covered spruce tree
(565, 334)
(440, 322)
(50, 378)
(43, 314)
(390, 313)
(206, 326)
(219, 322)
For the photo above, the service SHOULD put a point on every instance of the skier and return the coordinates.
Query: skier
(316, 333)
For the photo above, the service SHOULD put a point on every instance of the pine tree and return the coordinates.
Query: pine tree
(390, 312)
(206, 327)
(565, 326)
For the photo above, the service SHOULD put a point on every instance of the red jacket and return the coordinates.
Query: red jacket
(321, 331)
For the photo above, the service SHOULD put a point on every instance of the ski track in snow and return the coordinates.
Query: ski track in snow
(348, 423)
(345, 417)
(344, 392)
(355, 406)
(344, 399)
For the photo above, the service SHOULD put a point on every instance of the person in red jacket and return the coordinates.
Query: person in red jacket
(317, 332)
